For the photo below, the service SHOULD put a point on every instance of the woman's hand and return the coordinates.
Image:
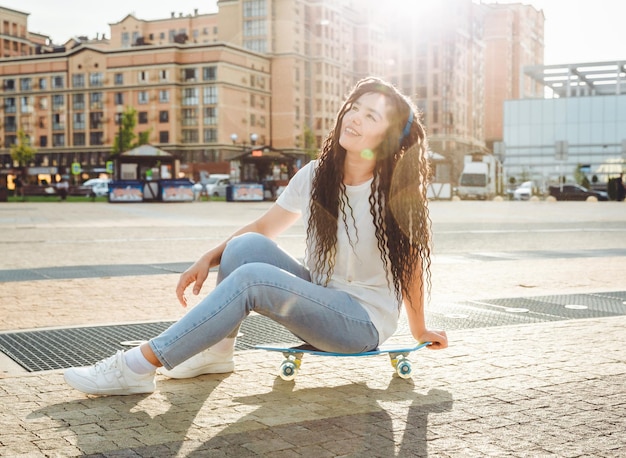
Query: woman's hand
(196, 274)
(438, 339)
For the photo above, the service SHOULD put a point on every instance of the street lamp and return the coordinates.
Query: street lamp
(253, 139)
(120, 113)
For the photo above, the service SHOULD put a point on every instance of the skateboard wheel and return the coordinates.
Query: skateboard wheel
(288, 370)
(403, 369)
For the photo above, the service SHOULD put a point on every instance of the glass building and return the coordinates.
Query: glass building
(579, 130)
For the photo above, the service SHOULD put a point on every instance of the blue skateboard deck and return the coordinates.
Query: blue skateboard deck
(293, 357)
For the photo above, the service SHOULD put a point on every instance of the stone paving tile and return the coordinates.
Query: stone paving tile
(442, 411)
(547, 389)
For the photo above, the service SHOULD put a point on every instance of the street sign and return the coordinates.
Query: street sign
(76, 168)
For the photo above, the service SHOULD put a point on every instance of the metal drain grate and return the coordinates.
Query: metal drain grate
(523, 310)
(68, 347)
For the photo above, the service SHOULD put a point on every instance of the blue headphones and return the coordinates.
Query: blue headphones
(407, 127)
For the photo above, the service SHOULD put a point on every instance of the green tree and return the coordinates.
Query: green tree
(581, 177)
(310, 146)
(22, 152)
(129, 139)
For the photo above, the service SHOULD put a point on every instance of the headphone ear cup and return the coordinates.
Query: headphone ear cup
(407, 127)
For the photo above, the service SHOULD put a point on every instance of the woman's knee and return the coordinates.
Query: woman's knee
(243, 249)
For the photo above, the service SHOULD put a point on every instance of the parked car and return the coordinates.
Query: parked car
(575, 192)
(216, 185)
(99, 186)
(523, 191)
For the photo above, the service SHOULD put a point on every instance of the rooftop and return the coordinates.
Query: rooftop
(581, 79)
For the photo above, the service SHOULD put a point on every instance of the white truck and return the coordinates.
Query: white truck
(479, 178)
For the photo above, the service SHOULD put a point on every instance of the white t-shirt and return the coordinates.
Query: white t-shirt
(359, 270)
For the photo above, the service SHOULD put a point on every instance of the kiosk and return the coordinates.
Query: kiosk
(147, 174)
(262, 174)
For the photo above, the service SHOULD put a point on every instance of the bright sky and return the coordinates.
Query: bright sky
(575, 30)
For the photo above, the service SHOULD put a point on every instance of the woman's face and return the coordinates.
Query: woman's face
(365, 125)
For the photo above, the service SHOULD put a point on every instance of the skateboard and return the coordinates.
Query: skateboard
(293, 357)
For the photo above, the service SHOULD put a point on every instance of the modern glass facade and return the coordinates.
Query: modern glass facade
(550, 138)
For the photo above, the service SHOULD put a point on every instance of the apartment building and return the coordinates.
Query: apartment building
(273, 70)
(514, 39)
(69, 103)
(15, 39)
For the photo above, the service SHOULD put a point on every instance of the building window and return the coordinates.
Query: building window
(164, 116)
(189, 74)
(25, 84)
(58, 101)
(79, 121)
(125, 39)
(163, 76)
(10, 140)
(254, 8)
(142, 117)
(164, 136)
(118, 79)
(254, 28)
(95, 138)
(209, 73)
(142, 97)
(58, 139)
(79, 139)
(10, 124)
(43, 141)
(190, 96)
(58, 82)
(9, 85)
(78, 101)
(210, 116)
(96, 79)
(78, 80)
(190, 117)
(118, 98)
(210, 95)
(142, 76)
(256, 45)
(43, 83)
(95, 120)
(96, 100)
(164, 96)
(9, 105)
(190, 136)
(210, 135)
(26, 105)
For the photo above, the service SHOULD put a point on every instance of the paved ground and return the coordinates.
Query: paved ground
(548, 389)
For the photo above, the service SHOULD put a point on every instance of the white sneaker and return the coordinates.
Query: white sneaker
(109, 376)
(206, 362)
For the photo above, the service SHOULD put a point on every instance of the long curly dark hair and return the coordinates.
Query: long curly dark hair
(398, 202)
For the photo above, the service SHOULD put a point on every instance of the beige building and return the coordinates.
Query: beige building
(514, 39)
(277, 71)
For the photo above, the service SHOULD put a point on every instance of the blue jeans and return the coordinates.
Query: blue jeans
(256, 275)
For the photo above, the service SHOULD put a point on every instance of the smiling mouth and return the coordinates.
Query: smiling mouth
(351, 131)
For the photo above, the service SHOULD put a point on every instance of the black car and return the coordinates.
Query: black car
(575, 192)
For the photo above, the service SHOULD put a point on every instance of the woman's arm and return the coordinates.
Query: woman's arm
(414, 306)
(271, 224)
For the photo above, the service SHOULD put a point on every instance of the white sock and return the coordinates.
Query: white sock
(137, 362)
(225, 345)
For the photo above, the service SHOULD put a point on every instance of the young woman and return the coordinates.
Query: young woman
(368, 253)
